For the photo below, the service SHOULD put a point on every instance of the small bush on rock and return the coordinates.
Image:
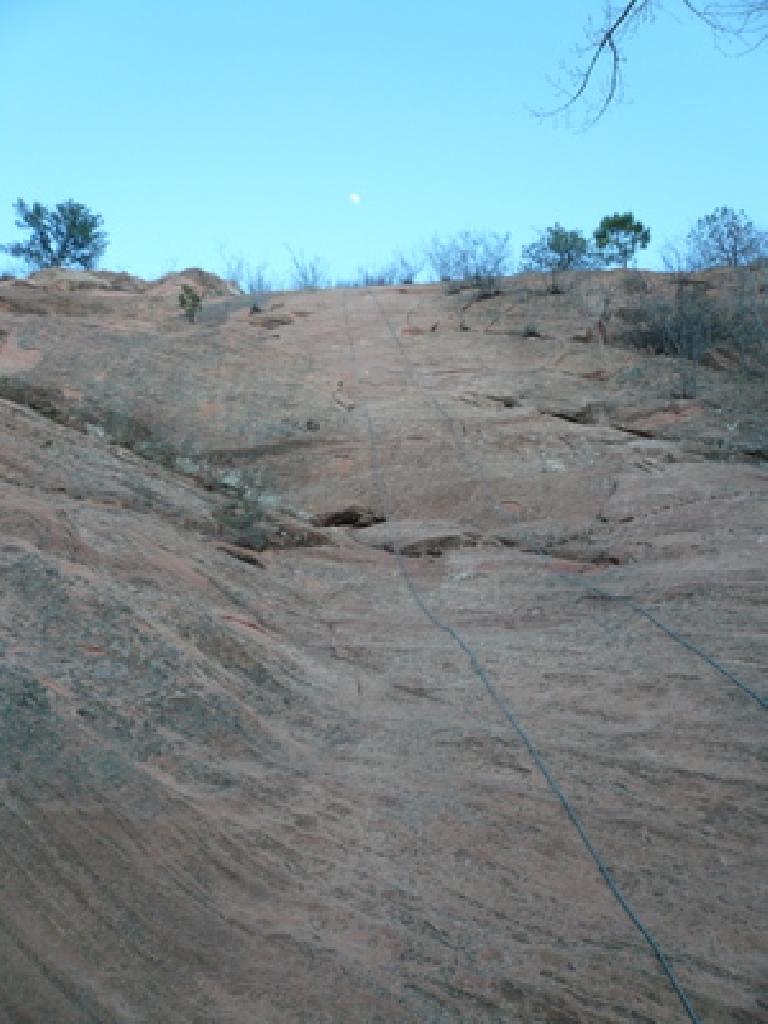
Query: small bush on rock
(470, 257)
(694, 320)
(190, 302)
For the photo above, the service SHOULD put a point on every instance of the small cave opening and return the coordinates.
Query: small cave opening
(357, 516)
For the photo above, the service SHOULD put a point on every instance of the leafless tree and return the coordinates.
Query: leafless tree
(472, 257)
(726, 238)
(309, 273)
(250, 279)
(738, 24)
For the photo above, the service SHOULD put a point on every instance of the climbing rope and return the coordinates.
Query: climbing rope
(477, 667)
(572, 578)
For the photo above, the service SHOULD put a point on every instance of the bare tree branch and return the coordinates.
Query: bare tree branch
(605, 44)
(740, 22)
(744, 23)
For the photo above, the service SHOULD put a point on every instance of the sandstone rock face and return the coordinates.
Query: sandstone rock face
(246, 771)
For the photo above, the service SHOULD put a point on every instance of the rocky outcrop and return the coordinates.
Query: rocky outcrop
(246, 773)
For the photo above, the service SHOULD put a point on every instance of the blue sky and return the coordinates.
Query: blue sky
(241, 126)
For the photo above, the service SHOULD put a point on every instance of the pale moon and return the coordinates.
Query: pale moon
(354, 197)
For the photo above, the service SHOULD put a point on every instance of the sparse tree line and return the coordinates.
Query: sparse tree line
(70, 235)
(687, 323)
(723, 238)
(614, 242)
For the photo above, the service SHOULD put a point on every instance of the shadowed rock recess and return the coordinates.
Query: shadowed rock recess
(244, 778)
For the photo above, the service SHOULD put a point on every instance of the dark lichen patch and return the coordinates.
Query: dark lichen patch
(30, 740)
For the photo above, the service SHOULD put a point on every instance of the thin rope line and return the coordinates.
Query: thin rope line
(573, 578)
(536, 756)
